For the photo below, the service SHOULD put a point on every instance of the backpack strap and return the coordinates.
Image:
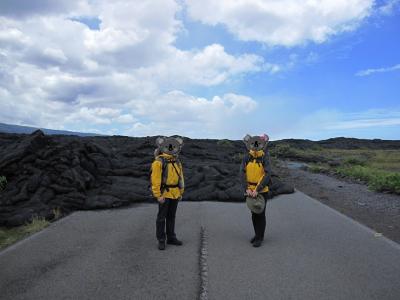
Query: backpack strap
(164, 172)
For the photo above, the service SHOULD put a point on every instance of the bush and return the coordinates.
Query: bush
(225, 143)
(318, 168)
(3, 183)
(386, 183)
(283, 150)
(377, 180)
(359, 161)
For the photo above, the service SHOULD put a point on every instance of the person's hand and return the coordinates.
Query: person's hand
(255, 193)
(249, 192)
(161, 200)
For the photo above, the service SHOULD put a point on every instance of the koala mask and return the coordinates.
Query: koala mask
(256, 143)
(169, 145)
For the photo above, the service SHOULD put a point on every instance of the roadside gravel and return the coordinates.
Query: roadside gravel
(379, 211)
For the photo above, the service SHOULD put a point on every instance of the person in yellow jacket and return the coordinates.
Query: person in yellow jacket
(256, 177)
(167, 186)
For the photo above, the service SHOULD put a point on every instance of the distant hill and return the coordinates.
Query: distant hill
(342, 143)
(8, 128)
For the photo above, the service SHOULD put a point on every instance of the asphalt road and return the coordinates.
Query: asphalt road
(310, 252)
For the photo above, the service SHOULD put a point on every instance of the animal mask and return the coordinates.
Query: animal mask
(169, 145)
(256, 143)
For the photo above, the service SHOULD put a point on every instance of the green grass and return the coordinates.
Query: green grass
(9, 236)
(379, 169)
(318, 168)
(378, 180)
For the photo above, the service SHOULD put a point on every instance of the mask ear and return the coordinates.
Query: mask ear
(159, 141)
(180, 141)
(265, 137)
(246, 138)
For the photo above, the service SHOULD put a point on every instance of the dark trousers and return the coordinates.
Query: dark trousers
(259, 220)
(166, 216)
(259, 224)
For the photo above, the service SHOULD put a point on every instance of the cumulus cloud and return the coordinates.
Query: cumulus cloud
(286, 22)
(378, 70)
(207, 67)
(179, 113)
(22, 8)
(126, 76)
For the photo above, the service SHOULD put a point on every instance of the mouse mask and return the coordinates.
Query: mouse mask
(256, 143)
(169, 145)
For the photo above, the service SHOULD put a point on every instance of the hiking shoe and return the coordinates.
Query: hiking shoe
(161, 245)
(175, 242)
(254, 239)
(257, 243)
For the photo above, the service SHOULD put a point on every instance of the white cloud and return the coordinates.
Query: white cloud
(331, 123)
(378, 70)
(207, 67)
(389, 7)
(56, 72)
(178, 113)
(286, 22)
(22, 8)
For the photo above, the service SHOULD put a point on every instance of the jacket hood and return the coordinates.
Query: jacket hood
(256, 154)
(167, 156)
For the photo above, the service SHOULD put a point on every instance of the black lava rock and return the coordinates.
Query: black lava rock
(68, 173)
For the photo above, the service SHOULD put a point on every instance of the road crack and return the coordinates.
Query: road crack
(203, 265)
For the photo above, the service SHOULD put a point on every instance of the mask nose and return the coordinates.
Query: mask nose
(255, 144)
(170, 147)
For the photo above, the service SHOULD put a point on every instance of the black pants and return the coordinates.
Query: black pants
(166, 212)
(259, 220)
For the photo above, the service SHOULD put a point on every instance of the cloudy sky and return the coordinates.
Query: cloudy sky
(210, 69)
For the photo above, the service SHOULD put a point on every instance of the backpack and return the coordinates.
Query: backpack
(164, 173)
(259, 160)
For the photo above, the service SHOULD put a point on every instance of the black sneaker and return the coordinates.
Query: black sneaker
(257, 243)
(254, 239)
(175, 242)
(161, 245)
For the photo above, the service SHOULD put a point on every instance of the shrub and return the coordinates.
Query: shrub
(283, 150)
(386, 183)
(355, 161)
(3, 182)
(377, 180)
(318, 168)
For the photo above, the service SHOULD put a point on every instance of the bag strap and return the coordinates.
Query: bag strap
(176, 170)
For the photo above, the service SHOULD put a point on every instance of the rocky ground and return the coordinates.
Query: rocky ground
(379, 211)
(48, 174)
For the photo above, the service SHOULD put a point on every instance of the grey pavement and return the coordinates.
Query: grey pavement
(310, 252)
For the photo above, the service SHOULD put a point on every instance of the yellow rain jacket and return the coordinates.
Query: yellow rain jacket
(171, 184)
(256, 171)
